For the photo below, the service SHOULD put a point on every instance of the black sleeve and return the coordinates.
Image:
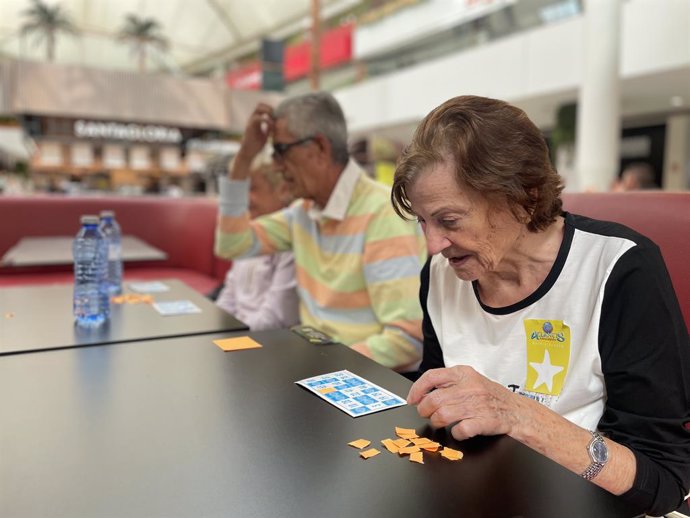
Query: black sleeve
(645, 354)
(433, 355)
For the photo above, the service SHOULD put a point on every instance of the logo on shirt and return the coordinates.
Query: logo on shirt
(547, 333)
(548, 355)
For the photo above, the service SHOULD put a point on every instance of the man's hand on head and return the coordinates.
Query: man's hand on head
(259, 128)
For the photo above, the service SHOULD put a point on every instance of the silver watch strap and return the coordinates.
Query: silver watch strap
(592, 470)
(595, 467)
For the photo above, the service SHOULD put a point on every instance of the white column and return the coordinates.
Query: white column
(676, 175)
(598, 115)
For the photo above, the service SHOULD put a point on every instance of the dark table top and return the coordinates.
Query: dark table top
(57, 250)
(179, 428)
(33, 318)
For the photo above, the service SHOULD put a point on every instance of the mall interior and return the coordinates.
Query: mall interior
(103, 113)
(129, 387)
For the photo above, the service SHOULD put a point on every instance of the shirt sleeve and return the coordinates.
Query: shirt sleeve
(280, 306)
(393, 253)
(226, 298)
(433, 354)
(645, 353)
(238, 236)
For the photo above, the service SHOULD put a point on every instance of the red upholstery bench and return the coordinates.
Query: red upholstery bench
(182, 227)
(664, 217)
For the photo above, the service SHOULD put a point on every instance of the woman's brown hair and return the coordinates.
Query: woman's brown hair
(496, 150)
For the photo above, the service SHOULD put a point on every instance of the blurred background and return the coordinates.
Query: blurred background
(151, 96)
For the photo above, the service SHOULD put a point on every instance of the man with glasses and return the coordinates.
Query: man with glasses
(357, 262)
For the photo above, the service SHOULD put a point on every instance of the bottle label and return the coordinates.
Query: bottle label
(113, 252)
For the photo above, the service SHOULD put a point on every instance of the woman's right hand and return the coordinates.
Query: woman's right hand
(471, 403)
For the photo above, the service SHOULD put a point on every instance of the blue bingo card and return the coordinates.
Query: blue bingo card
(176, 307)
(351, 394)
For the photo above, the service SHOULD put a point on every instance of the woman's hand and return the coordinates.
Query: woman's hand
(480, 406)
(461, 395)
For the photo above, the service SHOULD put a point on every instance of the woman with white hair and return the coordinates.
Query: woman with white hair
(262, 291)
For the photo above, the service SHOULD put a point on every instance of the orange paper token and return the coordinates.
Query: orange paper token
(451, 454)
(237, 344)
(417, 457)
(359, 443)
(369, 453)
(390, 445)
(131, 298)
(405, 433)
(402, 443)
(409, 450)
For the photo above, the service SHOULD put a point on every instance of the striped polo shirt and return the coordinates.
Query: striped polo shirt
(357, 262)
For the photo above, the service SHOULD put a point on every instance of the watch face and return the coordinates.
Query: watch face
(600, 452)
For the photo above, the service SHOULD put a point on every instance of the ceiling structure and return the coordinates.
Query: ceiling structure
(204, 33)
(200, 33)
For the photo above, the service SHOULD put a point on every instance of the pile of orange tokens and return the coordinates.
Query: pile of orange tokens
(408, 443)
(132, 298)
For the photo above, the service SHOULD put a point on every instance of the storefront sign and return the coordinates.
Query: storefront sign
(130, 132)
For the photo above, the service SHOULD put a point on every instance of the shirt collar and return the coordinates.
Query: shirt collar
(336, 207)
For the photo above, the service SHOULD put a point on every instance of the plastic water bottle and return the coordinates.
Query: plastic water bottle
(113, 238)
(91, 300)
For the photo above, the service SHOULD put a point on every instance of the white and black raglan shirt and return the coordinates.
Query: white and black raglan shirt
(601, 342)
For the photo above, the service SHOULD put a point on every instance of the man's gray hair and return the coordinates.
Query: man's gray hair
(316, 113)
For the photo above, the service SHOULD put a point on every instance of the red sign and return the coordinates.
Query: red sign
(335, 49)
(247, 77)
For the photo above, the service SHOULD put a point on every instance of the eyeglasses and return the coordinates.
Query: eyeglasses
(281, 149)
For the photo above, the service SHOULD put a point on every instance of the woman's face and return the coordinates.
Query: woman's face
(473, 235)
(264, 198)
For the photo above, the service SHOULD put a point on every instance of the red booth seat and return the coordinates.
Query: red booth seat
(664, 217)
(182, 227)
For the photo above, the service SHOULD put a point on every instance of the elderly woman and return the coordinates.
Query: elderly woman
(558, 330)
(262, 291)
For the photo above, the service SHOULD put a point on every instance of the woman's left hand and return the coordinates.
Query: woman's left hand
(461, 395)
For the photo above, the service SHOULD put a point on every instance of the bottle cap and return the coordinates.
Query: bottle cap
(107, 214)
(89, 219)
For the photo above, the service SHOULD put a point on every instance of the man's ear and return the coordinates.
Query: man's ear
(324, 144)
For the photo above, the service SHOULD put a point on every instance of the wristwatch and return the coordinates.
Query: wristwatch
(599, 455)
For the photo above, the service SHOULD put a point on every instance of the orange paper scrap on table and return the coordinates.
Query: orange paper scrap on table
(451, 454)
(401, 443)
(408, 450)
(373, 452)
(405, 433)
(417, 457)
(237, 344)
(390, 445)
(359, 443)
(131, 298)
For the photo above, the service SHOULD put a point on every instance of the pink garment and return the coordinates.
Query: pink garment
(262, 292)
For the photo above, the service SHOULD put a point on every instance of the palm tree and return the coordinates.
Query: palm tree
(143, 33)
(46, 21)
